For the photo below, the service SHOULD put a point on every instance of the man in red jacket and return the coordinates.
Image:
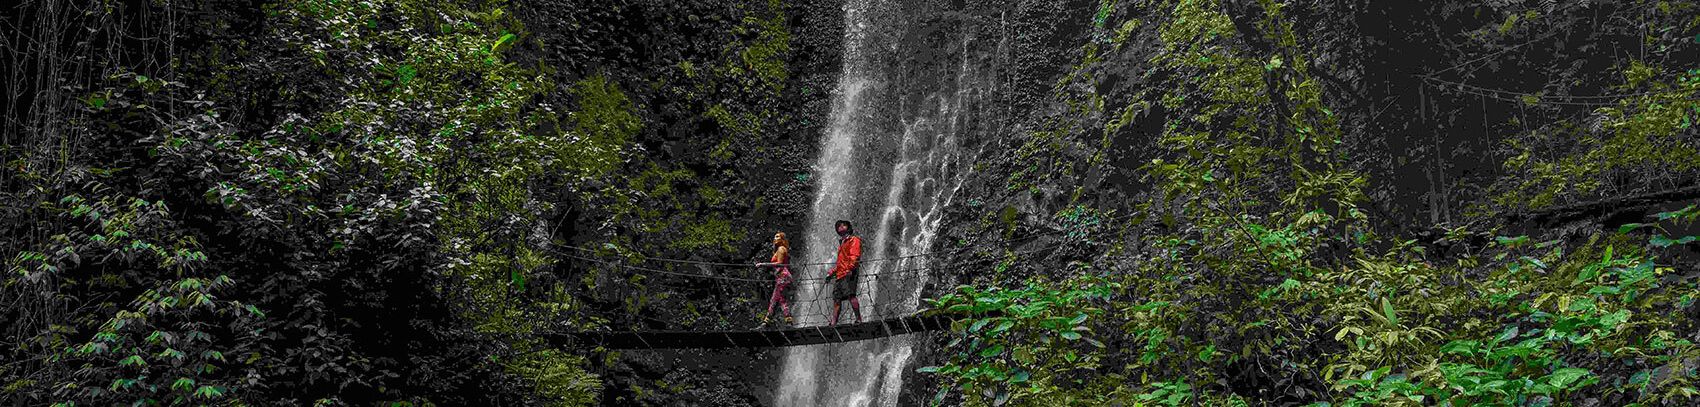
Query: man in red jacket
(844, 273)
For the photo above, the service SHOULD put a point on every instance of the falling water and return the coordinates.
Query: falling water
(889, 164)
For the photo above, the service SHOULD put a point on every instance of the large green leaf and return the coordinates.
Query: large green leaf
(1564, 377)
(1388, 312)
(504, 41)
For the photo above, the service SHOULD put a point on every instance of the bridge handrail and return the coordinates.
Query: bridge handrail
(874, 260)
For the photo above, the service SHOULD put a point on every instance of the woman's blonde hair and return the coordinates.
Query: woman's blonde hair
(782, 241)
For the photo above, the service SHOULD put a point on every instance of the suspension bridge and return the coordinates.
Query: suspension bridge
(811, 304)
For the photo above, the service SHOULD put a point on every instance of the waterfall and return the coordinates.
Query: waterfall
(889, 164)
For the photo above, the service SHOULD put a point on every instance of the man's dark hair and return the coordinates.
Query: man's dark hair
(846, 224)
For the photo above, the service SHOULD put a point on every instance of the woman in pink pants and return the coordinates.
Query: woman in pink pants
(781, 263)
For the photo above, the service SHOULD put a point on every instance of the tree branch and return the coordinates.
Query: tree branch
(1606, 208)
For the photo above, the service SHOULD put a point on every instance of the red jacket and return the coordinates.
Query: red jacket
(849, 257)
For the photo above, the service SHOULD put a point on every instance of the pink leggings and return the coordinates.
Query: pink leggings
(779, 285)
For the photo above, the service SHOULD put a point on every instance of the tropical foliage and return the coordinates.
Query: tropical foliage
(1166, 202)
(1261, 276)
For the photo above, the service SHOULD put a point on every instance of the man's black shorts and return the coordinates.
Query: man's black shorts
(844, 288)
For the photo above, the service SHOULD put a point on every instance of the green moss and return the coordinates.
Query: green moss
(712, 232)
(766, 55)
(711, 195)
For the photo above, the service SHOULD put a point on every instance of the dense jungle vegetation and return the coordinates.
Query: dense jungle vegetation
(1243, 202)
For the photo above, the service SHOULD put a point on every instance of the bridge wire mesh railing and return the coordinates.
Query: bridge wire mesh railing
(871, 310)
(725, 288)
